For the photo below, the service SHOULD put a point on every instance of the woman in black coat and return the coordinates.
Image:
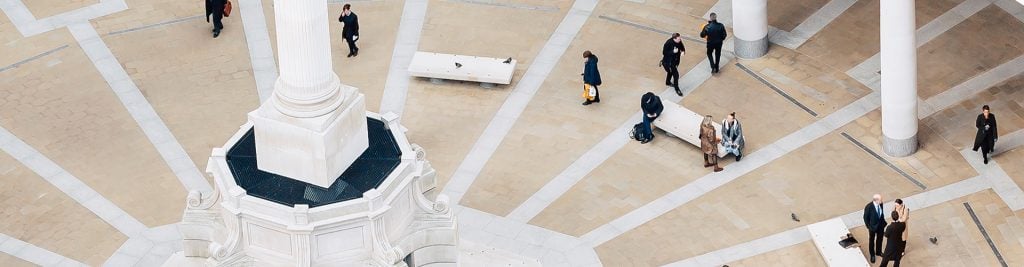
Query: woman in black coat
(591, 78)
(987, 133)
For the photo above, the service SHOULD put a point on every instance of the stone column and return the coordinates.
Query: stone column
(750, 27)
(313, 127)
(899, 77)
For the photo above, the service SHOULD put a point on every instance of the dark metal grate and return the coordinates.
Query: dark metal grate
(367, 172)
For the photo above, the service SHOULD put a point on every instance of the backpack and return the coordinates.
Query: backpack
(638, 133)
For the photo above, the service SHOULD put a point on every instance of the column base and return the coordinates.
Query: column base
(899, 148)
(751, 49)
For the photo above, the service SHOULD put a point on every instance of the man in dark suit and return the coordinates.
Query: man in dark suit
(670, 57)
(895, 245)
(215, 8)
(351, 29)
(874, 220)
(715, 34)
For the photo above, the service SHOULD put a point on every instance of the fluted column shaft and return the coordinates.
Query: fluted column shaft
(307, 85)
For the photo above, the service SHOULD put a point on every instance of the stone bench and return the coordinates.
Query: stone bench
(487, 71)
(680, 122)
(826, 236)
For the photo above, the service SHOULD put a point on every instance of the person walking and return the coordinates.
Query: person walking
(874, 220)
(651, 105)
(715, 34)
(670, 57)
(987, 133)
(732, 136)
(350, 30)
(709, 143)
(215, 9)
(895, 245)
(591, 79)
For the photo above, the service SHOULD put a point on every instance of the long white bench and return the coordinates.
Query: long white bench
(487, 71)
(826, 236)
(681, 122)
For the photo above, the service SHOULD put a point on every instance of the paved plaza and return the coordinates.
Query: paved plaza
(109, 110)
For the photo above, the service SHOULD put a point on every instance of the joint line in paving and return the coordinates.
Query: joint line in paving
(508, 5)
(31, 253)
(883, 160)
(984, 233)
(139, 108)
(169, 22)
(28, 25)
(650, 28)
(407, 41)
(27, 60)
(776, 89)
(257, 39)
(502, 121)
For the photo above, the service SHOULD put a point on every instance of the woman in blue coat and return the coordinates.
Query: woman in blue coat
(591, 79)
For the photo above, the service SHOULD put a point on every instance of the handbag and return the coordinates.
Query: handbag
(227, 9)
(592, 92)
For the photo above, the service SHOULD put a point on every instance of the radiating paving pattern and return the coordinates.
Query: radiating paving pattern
(536, 180)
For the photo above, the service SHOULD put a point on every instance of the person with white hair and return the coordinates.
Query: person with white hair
(874, 220)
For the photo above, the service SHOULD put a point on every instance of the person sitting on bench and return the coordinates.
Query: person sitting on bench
(651, 105)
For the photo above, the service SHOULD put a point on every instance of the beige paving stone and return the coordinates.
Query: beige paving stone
(69, 114)
(853, 36)
(15, 47)
(202, 95)
(956, 123)
(42, 9)
(449, 117)
(960, 243)
(936, 163)
(555, 129)
(148, 12)
(8, 260)
(684, 17)
(786, 15)
(1012, 166)
(803, 254)
(937, 74)
(40, 214)
(811, 82)
(835, 178)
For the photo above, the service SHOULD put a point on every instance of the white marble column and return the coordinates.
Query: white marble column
(750, 27)
(899, 77)
(313, 127)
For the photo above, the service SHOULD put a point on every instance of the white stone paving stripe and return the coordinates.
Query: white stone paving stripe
(971, 87)
(1009, 142)
(713, 180)
(28, 25)
(549, 247)
(69, 184)
(722, 9)
(525, 89)
(1014, 8)
(867, 72)
(812, 25)
(35, 255)
(261, 55)
(604, 149)
(151, 248)
(140, 109)
(407, 41)
(1005, 187)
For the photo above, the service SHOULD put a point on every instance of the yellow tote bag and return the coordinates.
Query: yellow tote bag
(587, 94)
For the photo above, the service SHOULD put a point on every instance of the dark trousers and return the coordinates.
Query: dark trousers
(352, 48)
(875, 242)
(672, 75)
(218, 14)
(895, 259)
(648, 127)
(714, 55)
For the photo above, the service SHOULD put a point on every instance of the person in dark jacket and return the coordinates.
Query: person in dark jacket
(215, 8)
(670, 57)
(591, 79)
(874, 220)
(715, 34)
(987, 133)
(650, 103)
(351, 29)
(895, 245)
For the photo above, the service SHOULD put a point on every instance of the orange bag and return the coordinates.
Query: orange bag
(227, 9)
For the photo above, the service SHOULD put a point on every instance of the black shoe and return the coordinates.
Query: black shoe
(349, 54)
(216, 33)
(872, 258)
(678, 92)
(986, 160)
(738, 158)
(668, 83)
(975, 149)
(645, 141)
(588, 102)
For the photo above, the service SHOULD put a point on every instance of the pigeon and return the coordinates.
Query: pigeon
(793, 215)
(934, 240)
(458, 65)
(507, 61)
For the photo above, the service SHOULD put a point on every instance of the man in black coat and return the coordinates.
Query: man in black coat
(987, 133)
(650, 103)
(215, 8)
(895, 245)
(715, 34)
(874, 220)
(670, 57)
(351, 29)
